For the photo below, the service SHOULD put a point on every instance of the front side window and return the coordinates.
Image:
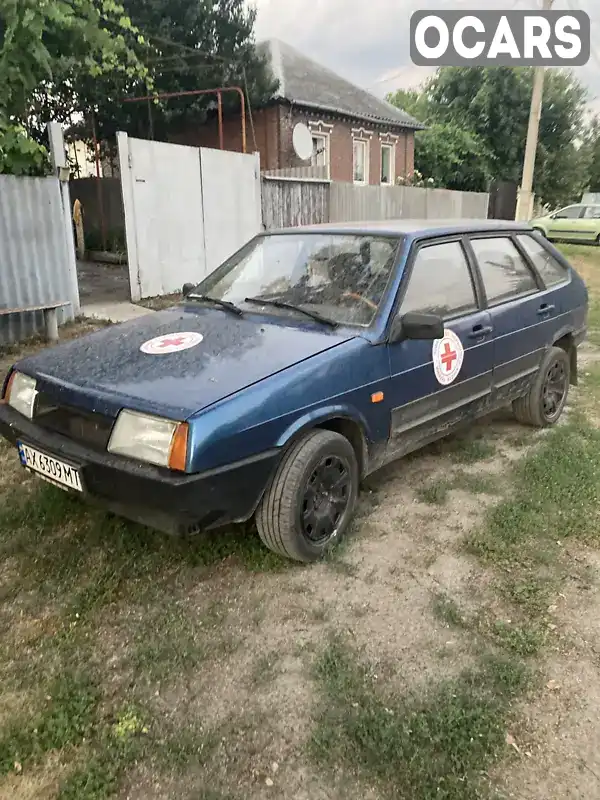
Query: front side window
(571, 212)
(360, 161)
(340, 276)
(551, 271)
(387, 164)
(440, 282)
(505, 274)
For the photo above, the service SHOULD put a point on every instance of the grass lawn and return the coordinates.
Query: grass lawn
(429, 657)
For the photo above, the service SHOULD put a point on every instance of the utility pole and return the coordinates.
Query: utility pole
(525, 196)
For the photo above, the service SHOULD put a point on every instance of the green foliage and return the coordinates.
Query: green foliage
(591, 148)
(412, 101)
(190, 46)
(20, 154)
(478, 127)
(456, 158)
(45, 46)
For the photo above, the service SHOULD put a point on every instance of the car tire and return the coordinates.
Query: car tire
(545, 401)
(541, 232)
(297, 495)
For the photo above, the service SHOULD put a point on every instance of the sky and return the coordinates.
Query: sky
(367, 41)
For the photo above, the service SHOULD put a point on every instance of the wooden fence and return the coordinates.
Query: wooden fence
(289, 203)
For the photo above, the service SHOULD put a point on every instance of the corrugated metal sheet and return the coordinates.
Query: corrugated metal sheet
(34, 263)
(289, 203)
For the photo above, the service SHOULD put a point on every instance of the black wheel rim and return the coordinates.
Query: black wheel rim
(326, 497)
(555, 390)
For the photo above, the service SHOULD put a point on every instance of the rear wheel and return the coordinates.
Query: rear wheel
(310, 501)
(545, 401)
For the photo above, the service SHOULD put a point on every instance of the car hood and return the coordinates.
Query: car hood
(106, 370)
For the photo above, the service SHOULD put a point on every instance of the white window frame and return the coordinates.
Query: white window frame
(322, 130)
(392, 148)
(323, 137)
(366, 144)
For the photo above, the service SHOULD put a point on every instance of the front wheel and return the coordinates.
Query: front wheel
(545, 401)
(309, 503)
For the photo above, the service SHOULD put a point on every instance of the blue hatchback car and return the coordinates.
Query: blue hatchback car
(308, 360)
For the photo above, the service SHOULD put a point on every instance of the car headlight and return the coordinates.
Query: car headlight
(21, 393)
(153, 439)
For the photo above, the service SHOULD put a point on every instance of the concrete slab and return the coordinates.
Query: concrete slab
(115, 312)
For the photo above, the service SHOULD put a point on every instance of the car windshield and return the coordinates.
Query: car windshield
(341, 277)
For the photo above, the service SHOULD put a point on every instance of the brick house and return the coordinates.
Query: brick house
(356, 136)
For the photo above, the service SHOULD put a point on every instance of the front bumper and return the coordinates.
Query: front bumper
(175, 503)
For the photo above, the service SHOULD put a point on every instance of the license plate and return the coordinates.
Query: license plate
(53, 470)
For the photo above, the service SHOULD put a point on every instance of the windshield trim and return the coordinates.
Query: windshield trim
(400, 239)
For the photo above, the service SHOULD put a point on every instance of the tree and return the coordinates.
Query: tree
(492, 105)
(190, 45)
(455, 158)
(44, 47)
(414, 102)
(592, 145)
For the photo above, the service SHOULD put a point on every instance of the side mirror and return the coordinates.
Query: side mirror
(417, 326)
(187, 289)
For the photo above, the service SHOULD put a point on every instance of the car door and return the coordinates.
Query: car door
(590, 223)
(434, 385)
(566, 223)
(519, 310)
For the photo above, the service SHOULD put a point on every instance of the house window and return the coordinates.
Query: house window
(320, 154)
(361, 161)
(387, 164)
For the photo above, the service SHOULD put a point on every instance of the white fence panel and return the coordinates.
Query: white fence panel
(232, 203)
(363, 203)
(186, 211)
(162, 200)
(37, 258)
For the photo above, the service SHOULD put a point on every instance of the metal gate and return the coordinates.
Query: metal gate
(186, 210)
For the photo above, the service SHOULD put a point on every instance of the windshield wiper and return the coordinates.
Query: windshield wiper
(260, 301)
(215, 301)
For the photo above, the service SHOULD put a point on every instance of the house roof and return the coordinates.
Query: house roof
(306, 83)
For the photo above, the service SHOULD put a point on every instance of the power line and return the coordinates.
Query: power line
(195, 50)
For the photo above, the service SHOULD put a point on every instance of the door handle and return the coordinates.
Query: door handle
(545, 309)
(480, 330)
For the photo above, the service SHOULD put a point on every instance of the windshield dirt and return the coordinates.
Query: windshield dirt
(340, 277)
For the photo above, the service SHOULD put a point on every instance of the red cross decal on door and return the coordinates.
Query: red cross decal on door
(448, 357)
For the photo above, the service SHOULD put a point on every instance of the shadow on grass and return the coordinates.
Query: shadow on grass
(61, 545)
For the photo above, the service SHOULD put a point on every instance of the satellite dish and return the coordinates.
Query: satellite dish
(302, 141)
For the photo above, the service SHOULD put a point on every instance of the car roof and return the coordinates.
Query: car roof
(411, 227)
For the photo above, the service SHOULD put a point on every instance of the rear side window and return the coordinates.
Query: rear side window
(592, 212)
(440, 282)
(550, 269)
(505, 274)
